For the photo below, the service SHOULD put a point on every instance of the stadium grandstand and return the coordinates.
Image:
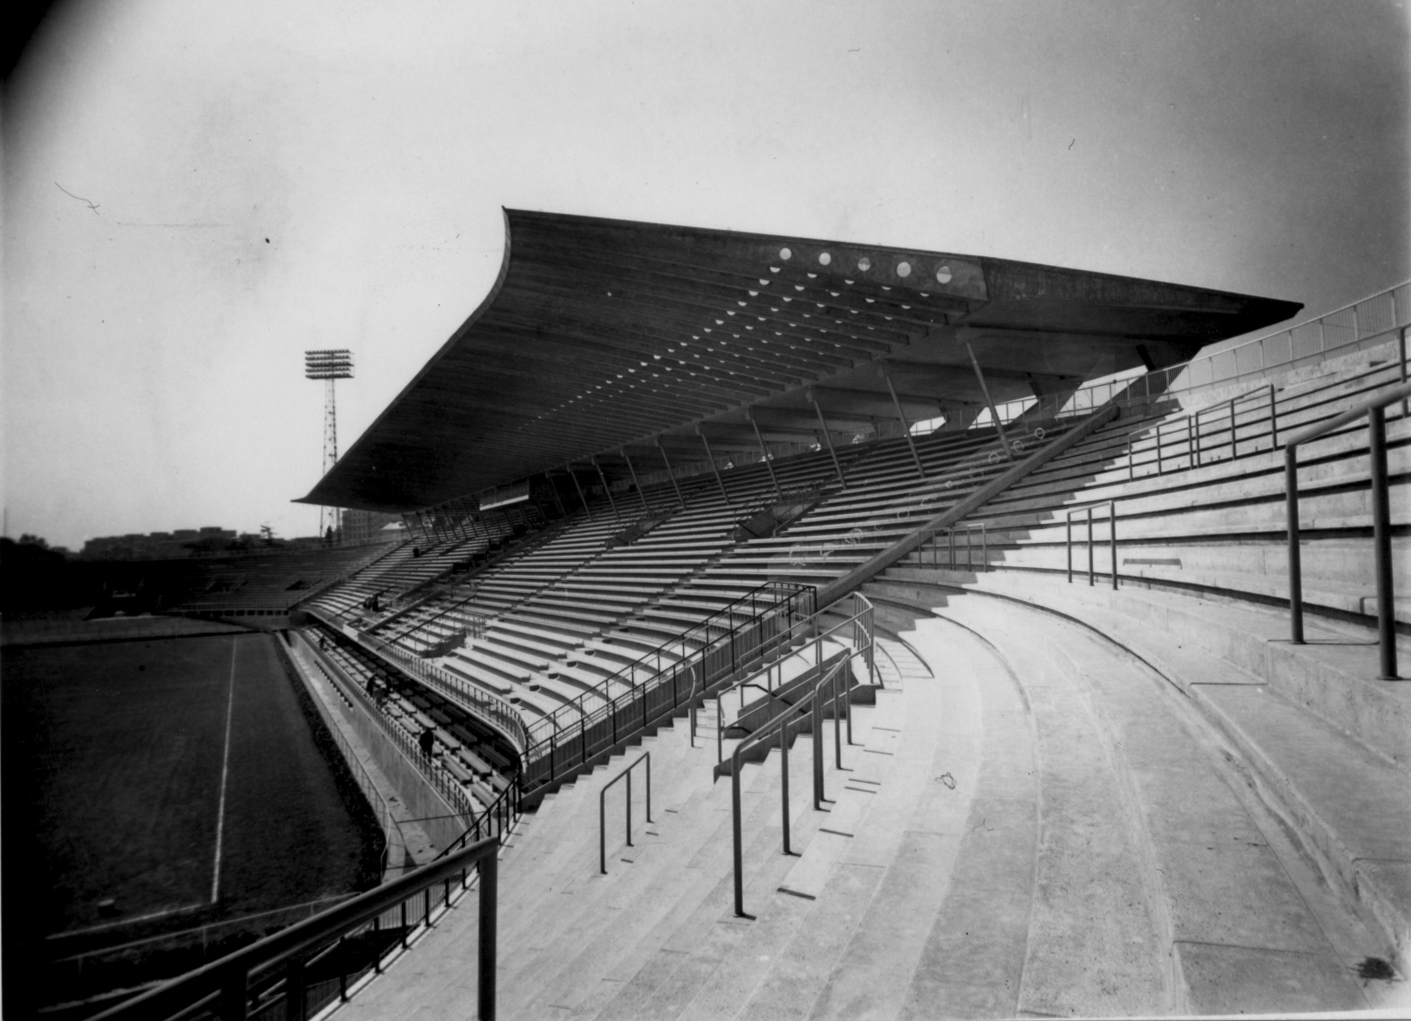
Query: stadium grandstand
(783, 628)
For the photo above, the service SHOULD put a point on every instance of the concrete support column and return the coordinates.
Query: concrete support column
(640, 495)
(671, 475)
(581, 498)
(905, 426)
(828, 440)
(778, 492)
(711, 458)
(606, 488)
(989, 401)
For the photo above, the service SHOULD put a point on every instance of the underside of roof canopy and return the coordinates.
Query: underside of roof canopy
(607, 337)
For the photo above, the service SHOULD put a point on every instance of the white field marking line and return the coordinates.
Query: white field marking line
(224, 775)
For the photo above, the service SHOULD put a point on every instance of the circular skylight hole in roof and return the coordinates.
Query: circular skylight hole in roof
(903, 269)
(824, 258)
(785, 254)
(943, 275)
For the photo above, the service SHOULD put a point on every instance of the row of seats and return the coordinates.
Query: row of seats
(565, 618)
(268, 579)
(569, 616)
(465, 752)
(377, 591)
(1216, 520)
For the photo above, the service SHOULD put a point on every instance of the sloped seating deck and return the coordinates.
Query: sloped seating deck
(268, 579)
(1220, 526)
(465, 755)
(567, 616)
(1031, 822)
(1067, 800)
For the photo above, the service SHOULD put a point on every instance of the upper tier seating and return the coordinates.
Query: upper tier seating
(1220, 525)
(268, 580)
(563, 617)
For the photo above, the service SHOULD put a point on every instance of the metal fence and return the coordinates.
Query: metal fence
(663, 681)
(488, 707)
(1373, 321)
(301, 970)
(451, 792)
(393, 839)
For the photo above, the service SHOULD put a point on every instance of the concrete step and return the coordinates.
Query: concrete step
(1333, 676)
(1226, 900)
(686, 885)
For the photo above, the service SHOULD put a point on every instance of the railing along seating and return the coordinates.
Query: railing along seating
(1375, 414)
(301, 970)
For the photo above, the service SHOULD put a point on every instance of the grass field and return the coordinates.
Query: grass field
(171, 776)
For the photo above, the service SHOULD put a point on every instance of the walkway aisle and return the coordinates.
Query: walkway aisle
(1156, 889)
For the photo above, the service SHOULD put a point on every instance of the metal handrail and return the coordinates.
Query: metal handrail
(660, 693)
(602, 807)
(497, 818)
(489, 707)
(1111, 506)
(1381, 519)
(371, 794)
(627, 674)
(813, 703)
(968, 528)
(861, 621)
(450, 792)
(1195, 448)
(226, 985)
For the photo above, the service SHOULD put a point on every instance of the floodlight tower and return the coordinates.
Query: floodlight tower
(330, 366)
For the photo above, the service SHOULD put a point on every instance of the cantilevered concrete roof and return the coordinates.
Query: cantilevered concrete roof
(604, 334)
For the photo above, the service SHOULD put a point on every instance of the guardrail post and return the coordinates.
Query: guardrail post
(1090, 545)
(1068, 542)
(1401, 347)
(1381, 543)
(233, 990)
(1273, 418)
(736, 838)
(818, 746)
(296, 1005)
(838, 716)
(1295, 561)
(784, 780)
(489, 925)
(1112, 531)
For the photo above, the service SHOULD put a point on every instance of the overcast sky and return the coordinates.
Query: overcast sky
(197, 192)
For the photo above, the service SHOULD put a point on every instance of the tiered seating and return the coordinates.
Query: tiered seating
(1034, 830)
(884, 500)
(273, 579)
(563, 597)
(408, 566)
(466, 752)
(567, 616)
(1221, 526)
(1067, 800)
